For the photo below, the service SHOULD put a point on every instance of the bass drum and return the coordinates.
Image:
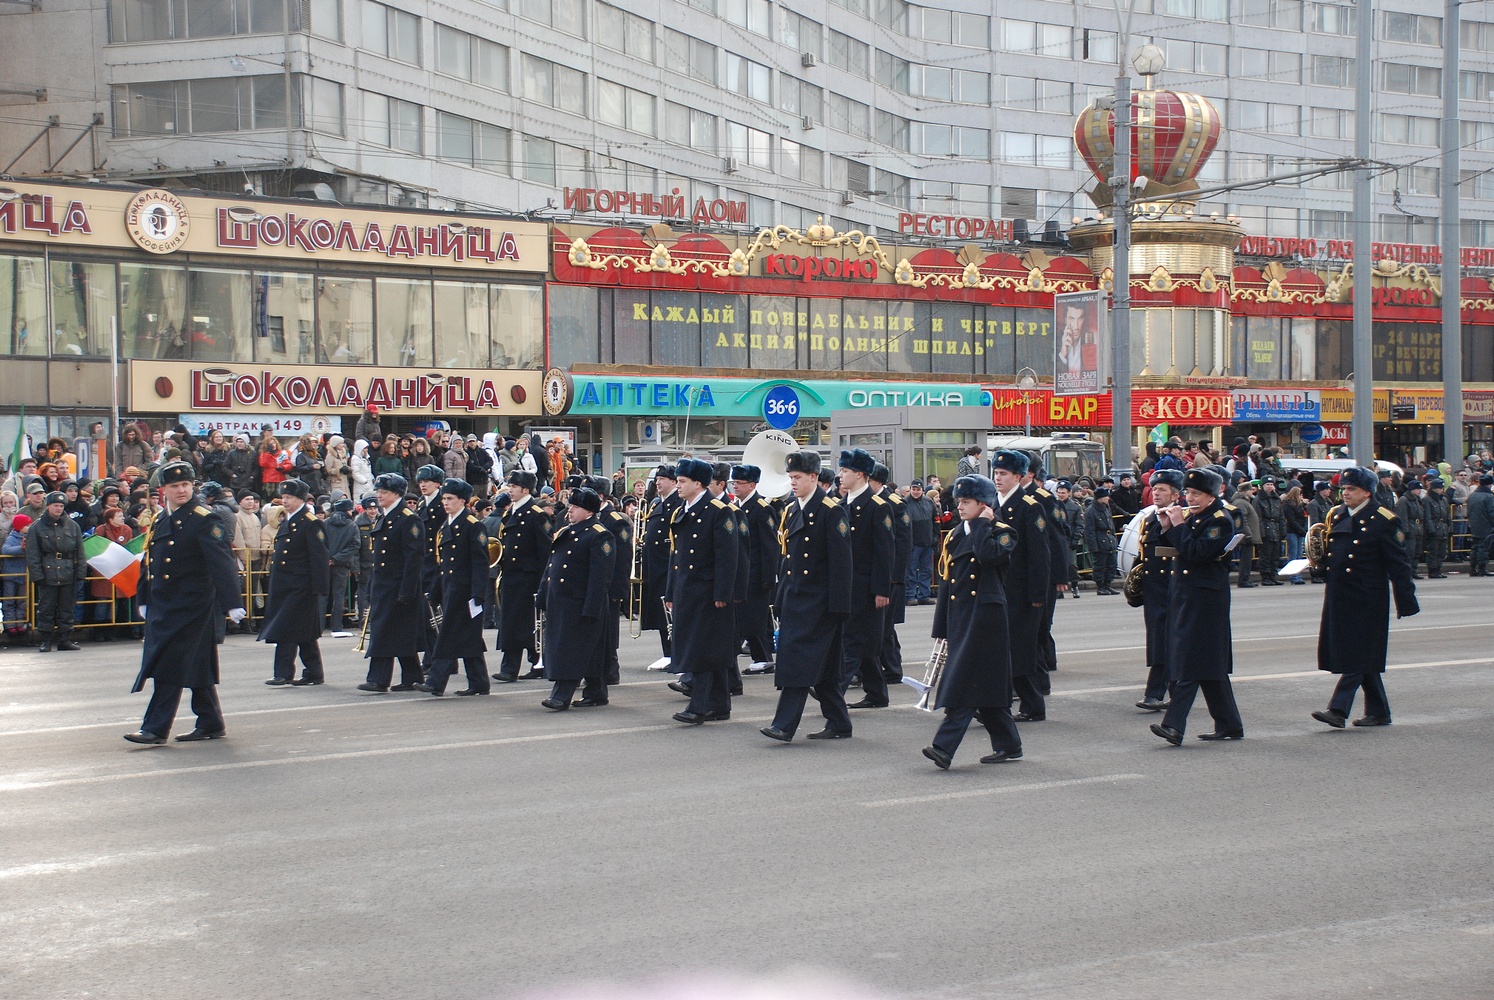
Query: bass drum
(1130, 541)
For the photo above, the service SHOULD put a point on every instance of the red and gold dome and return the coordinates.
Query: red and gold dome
(1172, 136)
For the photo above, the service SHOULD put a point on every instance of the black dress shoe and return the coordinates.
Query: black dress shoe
(403, 687)
(1373, 720)
(1170, 735)
(941, 759)
(735, 692)
(777, 734)
(1332, 717)
(1001, 755)
(717, 716)
(375, 688)
(1247, 586)
(68, 645)
(555, 706)
(689, 718)
(532, 675)
(588, 703)
(301, 682)
(505, 678)
(149, 739)
(276, 682)
(468, 692)
(1151, 705)
(45, 647)
(1233, 734)
(200, 734)
(868, 702)
(829, 734)
(428, 689)
(677, 686)
(1024, 717)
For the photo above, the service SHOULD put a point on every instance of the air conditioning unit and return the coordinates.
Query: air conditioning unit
(848, 197)
(731, 164)
(809, 122)
(809, 59)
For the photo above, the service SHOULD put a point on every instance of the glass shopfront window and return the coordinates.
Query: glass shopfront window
(153, 311)
(573, 325)
(218, 310)
(1335, 349)
(403, 317)
(284, 324)
(518, 326)
(900, 321)
(23, 304)
(1478, 353)
(864, 335)
(676, 341)
(772, 331)
(344, 319)
(461, 324)
(84, 301)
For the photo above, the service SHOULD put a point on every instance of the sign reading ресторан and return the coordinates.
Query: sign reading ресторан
(162, 223)
(186, 386)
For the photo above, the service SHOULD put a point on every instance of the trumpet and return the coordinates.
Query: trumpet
(635, 577)
(928, 688)
(539, 640)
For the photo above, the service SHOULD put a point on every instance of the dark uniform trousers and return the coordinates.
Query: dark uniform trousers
(1376, 704)
(285, 661)
(1218, 695)
(476, 666)
(1158, 683)
(381, 670)
(791, 702)
(998, 722)
(160, 714)
(1029, 692)
(54, 611)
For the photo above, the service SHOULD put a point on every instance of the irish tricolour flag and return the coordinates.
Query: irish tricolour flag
(119, 564)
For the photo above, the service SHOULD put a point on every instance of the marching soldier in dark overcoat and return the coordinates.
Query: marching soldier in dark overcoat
(525, 534)
(574, 595)
(656, 557)
(1438, 525)
(462, 574)
(873, 553)
(702, 584)
(1317, 513)
(621, 526)
(813, 600)
(1411, 509)
(1201, 653)
(1156, 587)
(971, 617)
(396, 620)
(1058, 555)
(1027, 580)
(891, 659)
(1365, 564)
(757, 523)
(187, 578)
(720, 480)
(299, 570)
(428, 480)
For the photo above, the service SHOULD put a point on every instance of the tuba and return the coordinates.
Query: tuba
(495, 551)
(1132, 585)
(1315, 546)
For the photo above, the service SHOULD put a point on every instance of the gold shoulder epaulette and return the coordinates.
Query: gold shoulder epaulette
(717, 501)
(1220, 513)
(1386, 512)
(894, 498)
(1043, 493)
(597, 527)
(1230, 506)
(831, 502)
(1028, 497)
(200, 509)
(879, 500)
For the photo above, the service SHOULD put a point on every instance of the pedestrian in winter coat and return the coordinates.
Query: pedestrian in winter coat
(336, 468)
(13, 576)
(310, 467)
(1099, 539)
(274, 465)
(1250, 527)
(454, 461)
(243, 469)
(360, 470)
(56, 564)
(388, 460)
(368, 425)
(344, 543)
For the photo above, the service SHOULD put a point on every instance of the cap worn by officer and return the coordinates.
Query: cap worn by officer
(664, 472)
(459, 488)
(858, 460)
(1063, 484)
(916, 484)
(1101, 493)
(1435, 483)
(391, 482)
(1386, 474)
(746, 473)
(720, 472)
(977, 488)
(587, 498)
(575, 481)
(690, 468)
(807, 462)
(1168, 477)
(343, 506)
(601, 484)
(1014, 462)
(1320, 485)
(826, 477)
(295, 488)
(1486, 480)
(1359, 477)
(881, 474)
(369, 502)
(179, 472)
(430, 474)
(1204, 480)
(523, 479)
(56, 496)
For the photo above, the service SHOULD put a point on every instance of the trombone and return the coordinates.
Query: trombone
(635, 577)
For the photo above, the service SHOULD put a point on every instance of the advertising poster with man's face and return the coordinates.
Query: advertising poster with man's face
(1079, 346)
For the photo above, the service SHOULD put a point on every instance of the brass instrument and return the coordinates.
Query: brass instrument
(495, 551)
(635, 577)
(436, 617)
(932, 674)
(539, 640)
(1315, 546)
(363, 633)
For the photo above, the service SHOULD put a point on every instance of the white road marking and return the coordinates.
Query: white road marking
(96, 861)
(1279, 638)
(1036, 786)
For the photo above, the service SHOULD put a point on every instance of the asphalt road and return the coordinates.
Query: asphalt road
(345, 845)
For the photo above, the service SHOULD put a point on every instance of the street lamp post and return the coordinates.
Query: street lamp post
(1027, 380)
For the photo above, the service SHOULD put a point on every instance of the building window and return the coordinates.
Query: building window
(326, 18)
(1476, 135)
(849, 54)
(1408, 130)
(689, 56)
(1273, 14)
(476, 144)
(216, 105)
(392, 33)
(1331, 18)
(625, 107)
(950, 27)
(1271, 64)
(1332, 123)
(800, 98)
(1476, 86)
(1333, 71)
(948, 140)
(803, 163)
(83, 308)
(1036, 150)
(941, 83)
(392, 122)
(802, 34)
(1413, 29)
(568, 16)
(159, 20)
(624, 32)
(1411, 181)
(685, 126)
(404, 322)
(1194, 10)
(1257, 116)
(862, 7)
(554, 85)
(754, 15)
(539, 160)
(1400, 78)
(1477, 36)
(325, 112)
(749, 79)
(468, 57)
(1097, 46)
(752, 146)
(1036, 38)
(1027, 94)
(1196, 57)
(848, 116)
